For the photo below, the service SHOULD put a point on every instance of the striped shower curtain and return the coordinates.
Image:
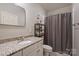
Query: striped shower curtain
(58, 32)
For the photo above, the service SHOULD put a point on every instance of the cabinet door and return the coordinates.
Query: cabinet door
(33, 53)
(40, 51)
(34, 50)
(29, 50)
(37, 52)
(19, 53)
(40, 48)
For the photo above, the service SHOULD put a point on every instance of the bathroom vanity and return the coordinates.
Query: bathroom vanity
(32, 46)
(33, 50)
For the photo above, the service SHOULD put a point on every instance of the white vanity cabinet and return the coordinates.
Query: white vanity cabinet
(35, 49)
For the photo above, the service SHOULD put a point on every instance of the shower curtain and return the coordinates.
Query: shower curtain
(58, 32)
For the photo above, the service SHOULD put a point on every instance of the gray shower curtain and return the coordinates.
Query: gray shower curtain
(58, 32)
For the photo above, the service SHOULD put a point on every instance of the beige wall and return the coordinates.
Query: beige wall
(61, 10)
(32, 10)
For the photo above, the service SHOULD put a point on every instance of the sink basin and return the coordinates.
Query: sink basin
(24, 42)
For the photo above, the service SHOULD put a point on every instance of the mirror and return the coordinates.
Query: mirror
(11, 14)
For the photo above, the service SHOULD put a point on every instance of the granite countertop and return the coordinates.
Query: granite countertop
(13, 46)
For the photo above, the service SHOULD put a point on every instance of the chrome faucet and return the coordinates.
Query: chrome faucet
(20, 39)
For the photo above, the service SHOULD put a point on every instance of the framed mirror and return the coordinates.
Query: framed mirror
(12, 14)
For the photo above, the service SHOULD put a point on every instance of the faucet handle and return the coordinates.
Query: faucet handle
(18, 38)
(22, 37)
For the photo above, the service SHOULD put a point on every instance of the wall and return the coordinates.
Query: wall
(32, 10)
(60, 10)
(76, 29)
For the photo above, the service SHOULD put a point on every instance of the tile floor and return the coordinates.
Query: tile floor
(58, 54)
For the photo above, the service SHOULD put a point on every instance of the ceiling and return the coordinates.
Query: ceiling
(54, 6)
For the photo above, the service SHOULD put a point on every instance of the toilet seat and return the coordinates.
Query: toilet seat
(47, 48)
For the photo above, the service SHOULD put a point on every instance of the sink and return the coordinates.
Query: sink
(25, 42)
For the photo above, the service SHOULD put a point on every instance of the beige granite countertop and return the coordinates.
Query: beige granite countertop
(11, 47)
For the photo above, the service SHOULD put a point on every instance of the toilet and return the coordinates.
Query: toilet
(47, 50)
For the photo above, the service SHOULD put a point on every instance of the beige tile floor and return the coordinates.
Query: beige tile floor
(58, 54)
